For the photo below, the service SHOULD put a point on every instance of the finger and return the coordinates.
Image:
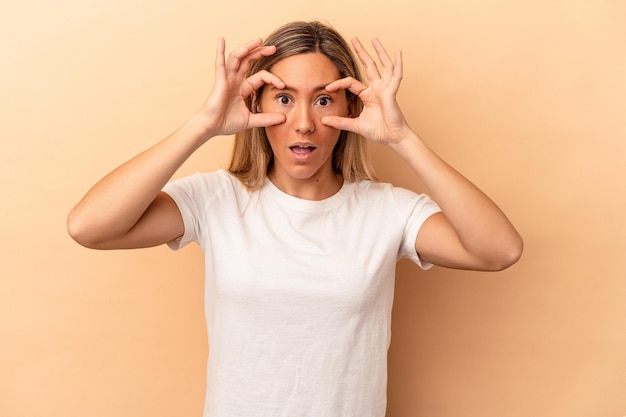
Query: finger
(392, 70)
(257, 80)
(236, 56)
(253, 56)
(397, 69)
(383, 57)
(219, 56)
(261, 52)
(371, 70)
(354, 86)
(341, 123)
(266, 119)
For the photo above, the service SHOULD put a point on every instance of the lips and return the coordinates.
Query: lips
(302, 149)
(302, 152)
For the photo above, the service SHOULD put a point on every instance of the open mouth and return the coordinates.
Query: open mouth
(302, 149)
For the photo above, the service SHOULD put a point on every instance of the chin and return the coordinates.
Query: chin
(304, 173)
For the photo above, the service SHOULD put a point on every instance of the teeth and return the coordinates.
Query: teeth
(302, 149)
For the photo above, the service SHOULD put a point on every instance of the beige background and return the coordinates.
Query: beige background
(527, 98)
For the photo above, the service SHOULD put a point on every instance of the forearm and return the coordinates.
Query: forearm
(116, 202)
(482, 228)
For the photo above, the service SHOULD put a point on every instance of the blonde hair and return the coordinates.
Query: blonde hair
(252, 155)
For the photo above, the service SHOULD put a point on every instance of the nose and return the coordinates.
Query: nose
(303, 119)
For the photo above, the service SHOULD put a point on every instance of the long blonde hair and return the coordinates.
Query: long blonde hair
(252, 155)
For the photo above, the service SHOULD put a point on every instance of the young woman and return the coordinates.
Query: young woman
(300, 241)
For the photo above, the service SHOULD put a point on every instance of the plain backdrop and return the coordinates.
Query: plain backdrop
(526, 98)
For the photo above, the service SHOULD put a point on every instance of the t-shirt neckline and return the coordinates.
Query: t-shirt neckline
(303, 204)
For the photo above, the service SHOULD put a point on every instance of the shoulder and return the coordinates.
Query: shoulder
(368, 188)
(363, 187)
(207, 186)
(220, 179)
(399, 199)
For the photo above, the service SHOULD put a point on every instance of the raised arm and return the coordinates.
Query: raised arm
(126, 208)
(471, 232)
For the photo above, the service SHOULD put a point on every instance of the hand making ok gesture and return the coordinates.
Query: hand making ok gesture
(381, 119)
(225, 111)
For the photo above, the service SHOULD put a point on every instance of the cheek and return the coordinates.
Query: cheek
(271, 107)
(342, 109)
(267, 103)
(277, 135)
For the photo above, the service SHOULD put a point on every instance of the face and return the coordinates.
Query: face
(302, 145)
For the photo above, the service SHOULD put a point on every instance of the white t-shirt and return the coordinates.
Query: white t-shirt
(298, 293)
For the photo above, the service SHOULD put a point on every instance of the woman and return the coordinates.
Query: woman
(300, 242)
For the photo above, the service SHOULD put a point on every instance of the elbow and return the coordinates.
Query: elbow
(80, 232)
(508, 254)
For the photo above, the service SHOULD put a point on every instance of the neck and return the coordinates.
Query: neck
(317, 187)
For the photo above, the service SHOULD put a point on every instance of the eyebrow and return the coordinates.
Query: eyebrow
(295, 90)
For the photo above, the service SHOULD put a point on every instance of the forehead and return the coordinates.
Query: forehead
(306, 70)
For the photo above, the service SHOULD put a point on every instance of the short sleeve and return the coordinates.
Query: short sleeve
(414, 210)
(187, 194)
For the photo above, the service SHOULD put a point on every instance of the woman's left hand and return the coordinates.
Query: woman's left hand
(381, 119)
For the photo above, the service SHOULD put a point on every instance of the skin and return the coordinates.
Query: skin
(303, 145)
(470, 233)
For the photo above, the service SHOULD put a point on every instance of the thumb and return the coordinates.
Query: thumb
(341, 123)
(266, 119)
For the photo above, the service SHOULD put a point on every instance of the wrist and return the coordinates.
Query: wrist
(408, 138)
(200, 128)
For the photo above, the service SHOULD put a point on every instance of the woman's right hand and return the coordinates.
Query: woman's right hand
(225, 111)
(126, 208)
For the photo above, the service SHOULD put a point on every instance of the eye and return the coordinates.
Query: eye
(283, 99)
(324, 101)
